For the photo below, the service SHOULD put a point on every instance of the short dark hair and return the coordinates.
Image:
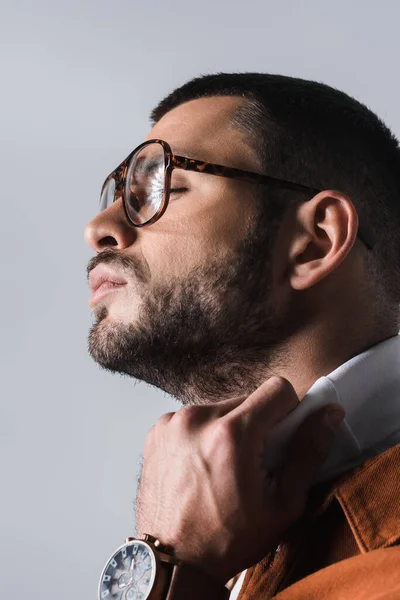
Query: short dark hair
(313, 134)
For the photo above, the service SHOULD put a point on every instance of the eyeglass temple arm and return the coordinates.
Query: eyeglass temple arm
(189, 164)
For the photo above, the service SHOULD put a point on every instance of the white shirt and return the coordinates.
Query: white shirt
(368, 388)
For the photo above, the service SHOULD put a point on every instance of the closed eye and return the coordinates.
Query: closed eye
(178, 190)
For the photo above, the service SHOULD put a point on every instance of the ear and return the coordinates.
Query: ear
(326, 230)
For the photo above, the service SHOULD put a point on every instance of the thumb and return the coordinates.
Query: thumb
(306, 453)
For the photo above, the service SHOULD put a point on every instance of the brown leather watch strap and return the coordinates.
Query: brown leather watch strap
(187, 583)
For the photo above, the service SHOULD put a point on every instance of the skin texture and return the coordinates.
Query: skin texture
(235, 323)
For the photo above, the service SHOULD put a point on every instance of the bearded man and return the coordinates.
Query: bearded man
(247, 257)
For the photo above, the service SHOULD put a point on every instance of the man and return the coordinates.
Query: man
(247, 259)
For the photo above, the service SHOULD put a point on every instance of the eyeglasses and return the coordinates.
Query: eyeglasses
(143, 181)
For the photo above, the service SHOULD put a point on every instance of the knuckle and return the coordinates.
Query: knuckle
(217, 444)
(227, 432)
(279, 384)
(188, 416)
(155, 431)
(164, 420)
(281, 390)
(223, 441)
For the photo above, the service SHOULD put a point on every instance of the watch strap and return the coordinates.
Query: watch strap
(187, 582)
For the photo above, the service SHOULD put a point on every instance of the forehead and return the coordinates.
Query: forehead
(203, 129)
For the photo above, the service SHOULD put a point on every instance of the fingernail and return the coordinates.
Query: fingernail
(334, 418)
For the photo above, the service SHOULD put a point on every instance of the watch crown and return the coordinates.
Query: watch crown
(160, 546)
(150, 538)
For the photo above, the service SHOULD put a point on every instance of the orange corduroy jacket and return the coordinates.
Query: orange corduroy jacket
(346, 546)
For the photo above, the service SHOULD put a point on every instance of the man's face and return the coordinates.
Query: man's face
(196, 314)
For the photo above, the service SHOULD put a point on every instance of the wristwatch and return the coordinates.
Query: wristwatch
(145, 569)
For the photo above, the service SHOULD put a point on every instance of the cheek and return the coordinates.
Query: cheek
(206, 226)
(232, 216)
(199, 244)
(176, 256)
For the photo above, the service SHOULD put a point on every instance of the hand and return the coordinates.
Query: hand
(203, 490)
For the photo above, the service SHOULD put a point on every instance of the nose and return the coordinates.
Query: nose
(110, 228)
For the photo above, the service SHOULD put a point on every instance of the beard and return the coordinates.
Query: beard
(214, 335)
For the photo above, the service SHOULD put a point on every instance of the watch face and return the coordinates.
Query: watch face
(129, 574)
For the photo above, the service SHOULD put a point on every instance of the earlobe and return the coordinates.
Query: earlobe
(326, 232)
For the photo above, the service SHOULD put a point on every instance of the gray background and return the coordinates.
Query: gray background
(78, 81)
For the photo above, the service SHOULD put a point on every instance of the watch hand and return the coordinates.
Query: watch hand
(125, 580)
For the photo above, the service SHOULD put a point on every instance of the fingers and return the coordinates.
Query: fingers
(307, 451)
(222, 408)
(268, 405)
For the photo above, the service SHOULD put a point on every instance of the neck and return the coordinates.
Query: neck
(313, 354)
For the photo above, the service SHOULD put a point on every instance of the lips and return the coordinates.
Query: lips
(103, 280)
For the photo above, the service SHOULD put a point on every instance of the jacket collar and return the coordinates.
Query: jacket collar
(370, 499)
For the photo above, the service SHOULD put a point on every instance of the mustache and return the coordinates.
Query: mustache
(128, 264)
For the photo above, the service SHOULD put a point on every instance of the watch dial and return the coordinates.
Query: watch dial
(129, 574)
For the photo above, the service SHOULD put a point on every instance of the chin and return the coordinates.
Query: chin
(116, 312)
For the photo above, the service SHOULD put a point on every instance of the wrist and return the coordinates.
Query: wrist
(188, 582)
(146, 568)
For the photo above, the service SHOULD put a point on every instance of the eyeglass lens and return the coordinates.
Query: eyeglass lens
(107, 194)
(144, 186)
(145, 183)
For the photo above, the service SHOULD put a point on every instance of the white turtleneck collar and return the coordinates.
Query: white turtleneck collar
(368, 388)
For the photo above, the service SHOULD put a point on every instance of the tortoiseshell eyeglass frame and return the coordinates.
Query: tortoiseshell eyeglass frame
(173, 161)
